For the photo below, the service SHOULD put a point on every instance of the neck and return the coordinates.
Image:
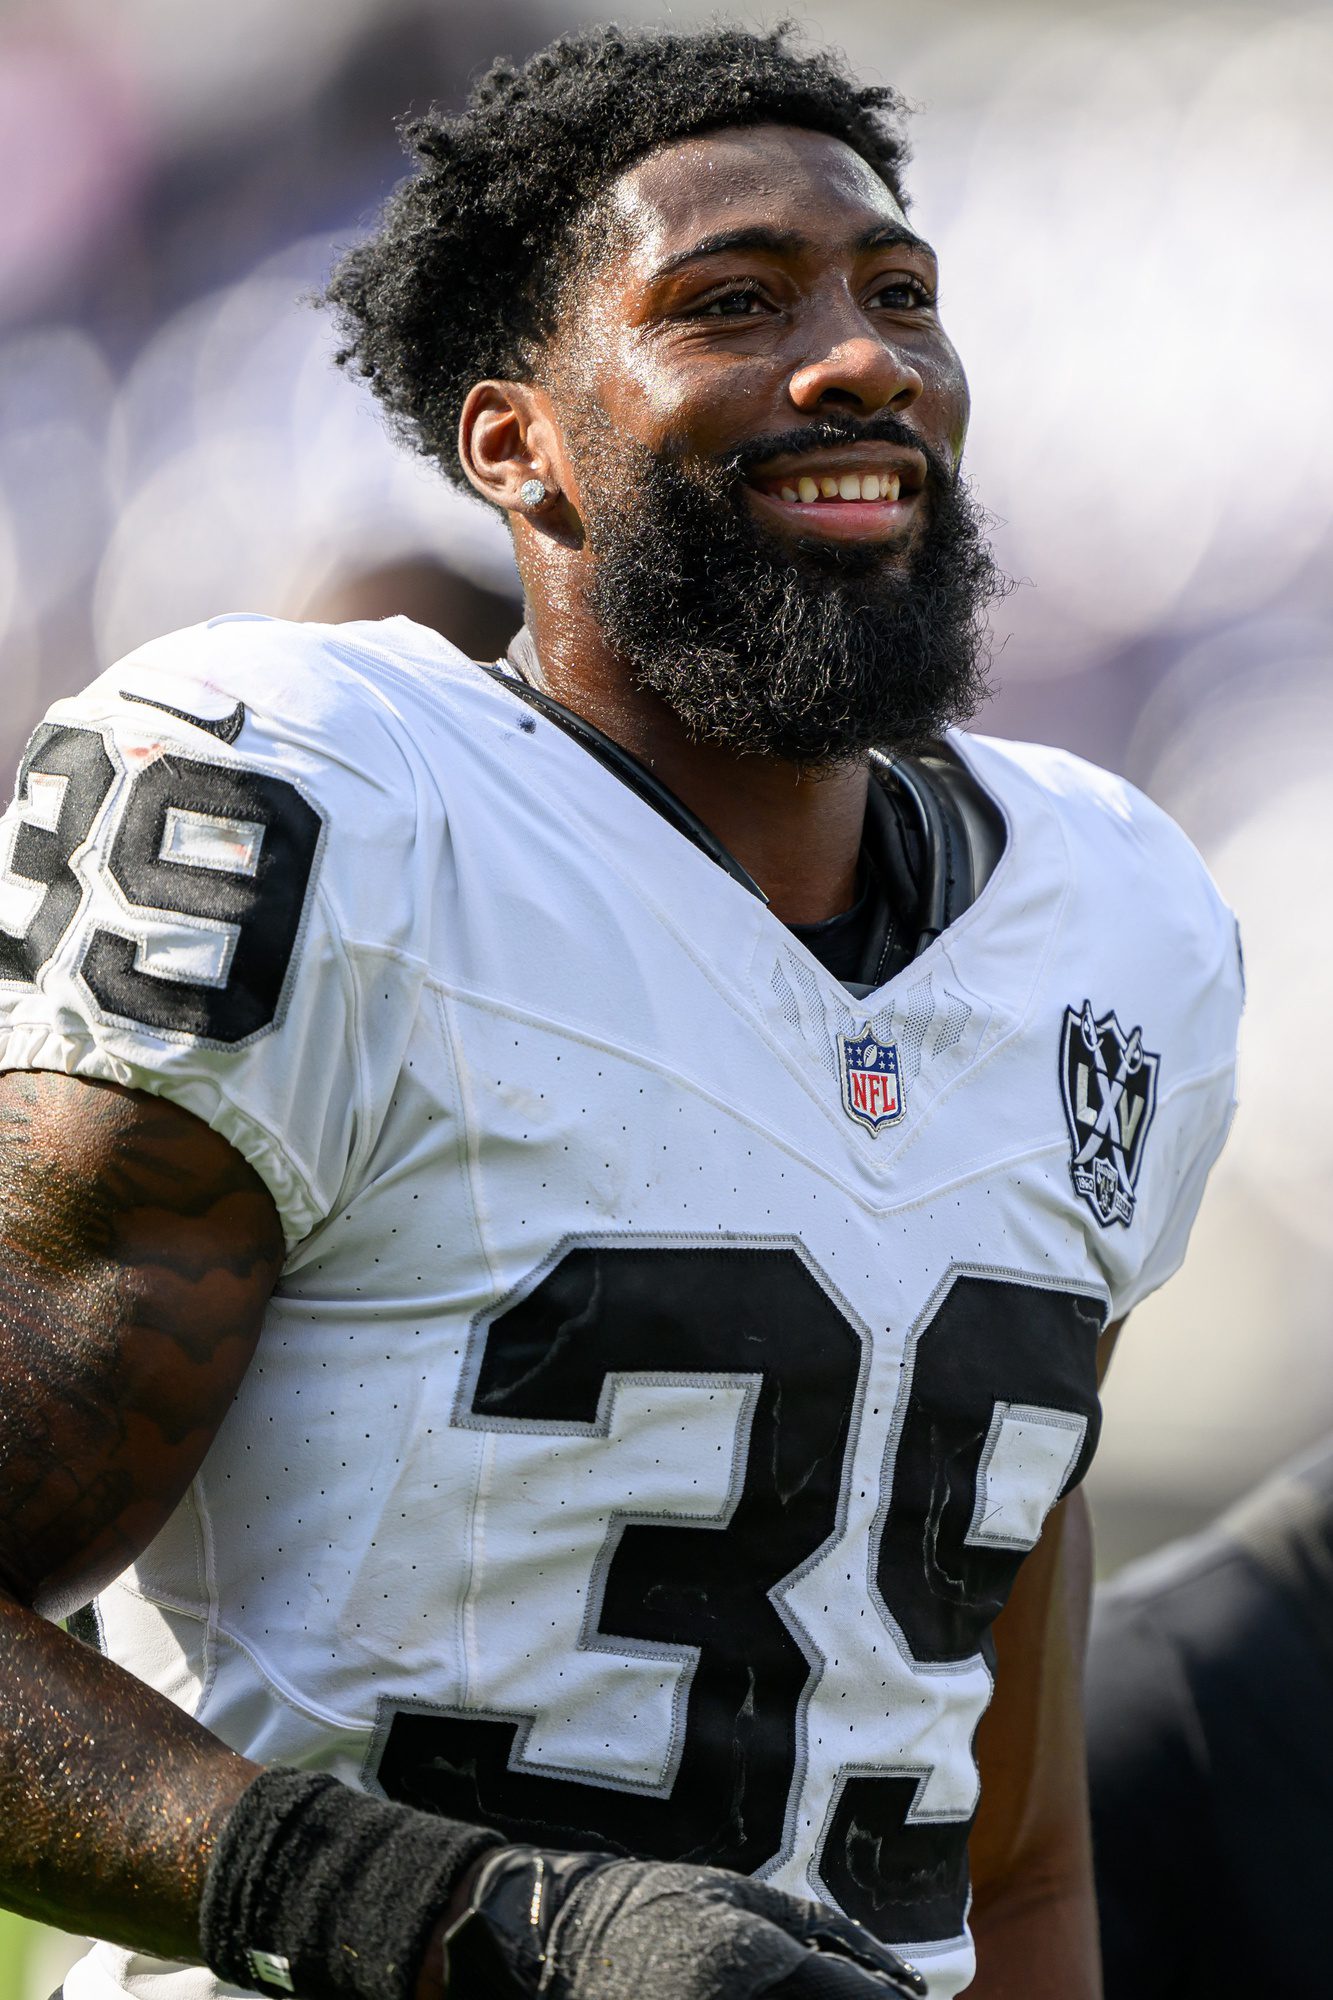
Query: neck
(796, 832)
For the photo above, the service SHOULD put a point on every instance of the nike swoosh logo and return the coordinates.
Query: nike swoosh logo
(225, 727)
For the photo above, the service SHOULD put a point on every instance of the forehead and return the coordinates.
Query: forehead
(776, 175)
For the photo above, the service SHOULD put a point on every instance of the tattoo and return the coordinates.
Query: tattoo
(137, 1254)
(137, 1251)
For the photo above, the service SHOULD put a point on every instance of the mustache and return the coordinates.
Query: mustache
(886, 428)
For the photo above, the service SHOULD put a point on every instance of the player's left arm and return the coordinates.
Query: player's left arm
(1034, 1914)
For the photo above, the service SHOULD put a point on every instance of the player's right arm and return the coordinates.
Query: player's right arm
(137, 1252)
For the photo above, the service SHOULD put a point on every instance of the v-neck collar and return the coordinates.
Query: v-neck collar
(985, 965)
(914, 848)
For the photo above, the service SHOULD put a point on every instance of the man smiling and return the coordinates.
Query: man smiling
(563, 1217)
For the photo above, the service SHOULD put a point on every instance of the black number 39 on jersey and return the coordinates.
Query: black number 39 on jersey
(992, 1353)
(218, 856)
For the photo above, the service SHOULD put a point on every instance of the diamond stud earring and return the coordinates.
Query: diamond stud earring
(532, 493)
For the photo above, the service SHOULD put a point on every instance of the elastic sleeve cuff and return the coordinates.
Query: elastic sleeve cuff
(37, 1045)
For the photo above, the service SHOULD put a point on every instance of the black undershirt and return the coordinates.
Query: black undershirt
(871, 942)
(840, 943)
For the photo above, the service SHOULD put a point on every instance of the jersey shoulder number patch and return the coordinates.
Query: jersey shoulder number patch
(202, 871)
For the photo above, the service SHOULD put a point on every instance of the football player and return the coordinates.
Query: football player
(562, 1216)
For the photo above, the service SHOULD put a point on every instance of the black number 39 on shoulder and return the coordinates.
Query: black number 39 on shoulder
(210, 863)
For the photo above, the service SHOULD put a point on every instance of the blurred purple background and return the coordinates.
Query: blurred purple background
(1134, 207)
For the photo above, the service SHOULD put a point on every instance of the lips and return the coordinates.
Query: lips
(847, 473)
(864, 492)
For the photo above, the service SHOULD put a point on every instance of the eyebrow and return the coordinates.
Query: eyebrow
(785, 243)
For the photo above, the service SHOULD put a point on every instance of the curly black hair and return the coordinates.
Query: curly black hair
(465, 277)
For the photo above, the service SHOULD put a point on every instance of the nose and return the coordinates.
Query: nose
(860, 372)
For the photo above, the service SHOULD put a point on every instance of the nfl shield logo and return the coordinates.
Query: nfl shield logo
(1109, 1083)
(872, 1088)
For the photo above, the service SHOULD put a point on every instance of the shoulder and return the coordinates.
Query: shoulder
(221, 855)
(348, 716)
(1132, 871)
(252, 682)
(249, 761)
(1095, 807)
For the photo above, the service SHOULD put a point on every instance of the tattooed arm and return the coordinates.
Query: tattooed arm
(137, 1253)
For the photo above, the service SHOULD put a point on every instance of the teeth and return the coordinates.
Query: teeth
(847, 486)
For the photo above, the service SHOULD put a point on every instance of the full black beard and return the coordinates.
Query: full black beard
(812, 654)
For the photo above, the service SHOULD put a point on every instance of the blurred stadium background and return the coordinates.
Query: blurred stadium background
(1135, 210)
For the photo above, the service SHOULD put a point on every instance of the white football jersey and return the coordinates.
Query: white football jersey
(674, 1358)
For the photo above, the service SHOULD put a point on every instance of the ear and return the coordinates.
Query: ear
(508, 436)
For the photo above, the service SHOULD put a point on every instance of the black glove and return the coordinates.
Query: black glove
(588, 1927)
